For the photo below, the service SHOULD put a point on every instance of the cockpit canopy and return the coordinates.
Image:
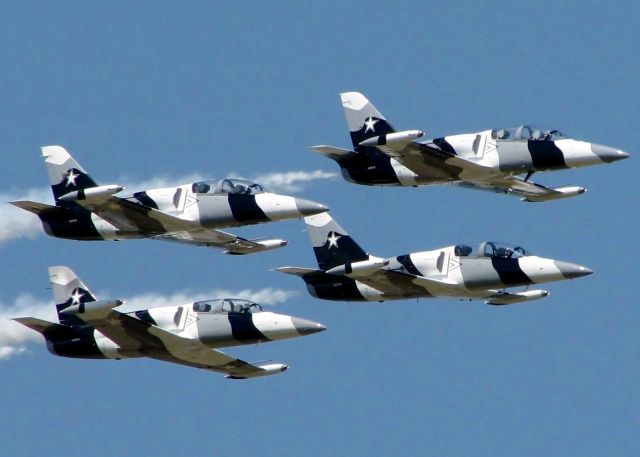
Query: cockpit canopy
(227, 186)
(227, 306)
(490, 249)
(526, 133)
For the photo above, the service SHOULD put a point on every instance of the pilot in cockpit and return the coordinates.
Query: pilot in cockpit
(200, 187)
(505, 253)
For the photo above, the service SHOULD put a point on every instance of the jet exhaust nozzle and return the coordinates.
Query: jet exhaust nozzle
(92, 192)
(393, 138)
(509, 298)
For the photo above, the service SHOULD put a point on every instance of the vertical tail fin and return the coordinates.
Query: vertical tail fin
(363, 119)
(65, 174)
(68, 290)
(331, 243)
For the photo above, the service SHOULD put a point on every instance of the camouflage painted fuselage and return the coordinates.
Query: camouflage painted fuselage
(209, 211)
(190, 213)
(490, 160)
(346, 272)
(370, 166)
(89, 328)
(214, 329)
(441, 273)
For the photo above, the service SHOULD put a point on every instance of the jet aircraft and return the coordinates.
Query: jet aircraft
(189, 213)
(468, 271)
(92, 329)
(499, 160)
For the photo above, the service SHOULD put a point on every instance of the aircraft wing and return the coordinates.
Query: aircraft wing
(527, 190)
(131, 216)
(34, 207)
(232, 244)
(427, 160)
(400, 283)
(131, 333)
(394, 283)
(49, 329)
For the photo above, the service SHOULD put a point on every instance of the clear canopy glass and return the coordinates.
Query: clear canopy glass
(227, 186)
(526, 133)
(226, 306)
(490, 249)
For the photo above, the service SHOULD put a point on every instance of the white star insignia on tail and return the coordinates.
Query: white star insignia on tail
(71, 178)
(369, 123)
(333, 240)
(75, 297)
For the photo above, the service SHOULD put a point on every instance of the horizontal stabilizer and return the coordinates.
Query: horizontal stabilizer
(333, 152)
(47, 329)
(34, 207)
(39, 325)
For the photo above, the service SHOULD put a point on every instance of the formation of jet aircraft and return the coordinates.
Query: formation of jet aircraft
(186, 334)
(500, 160)
(346, 272)
(190, 213)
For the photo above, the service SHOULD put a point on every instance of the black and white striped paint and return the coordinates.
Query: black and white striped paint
(486, 160)
(186, 334)
(189, 213)
(468, 271)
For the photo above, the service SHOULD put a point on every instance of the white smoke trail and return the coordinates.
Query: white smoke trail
(14, 337)
(291, 181)
(16, 223)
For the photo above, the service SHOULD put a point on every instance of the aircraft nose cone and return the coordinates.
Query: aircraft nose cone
(572, 270)
(307, 327)
(607, 154)
(309, 207)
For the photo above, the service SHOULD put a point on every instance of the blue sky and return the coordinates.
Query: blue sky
(162, 90)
